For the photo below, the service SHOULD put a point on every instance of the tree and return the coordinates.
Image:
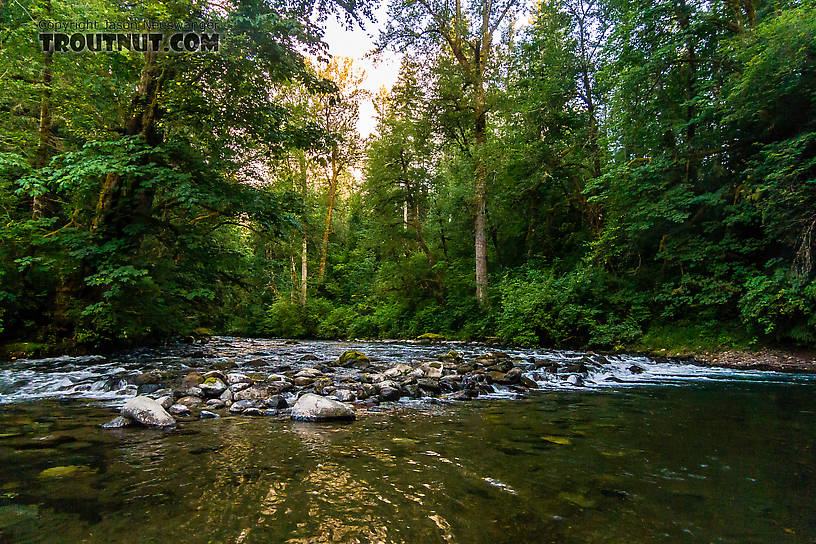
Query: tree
(337, 114)
(467, 32)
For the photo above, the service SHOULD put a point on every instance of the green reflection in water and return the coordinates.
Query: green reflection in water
(719, 463)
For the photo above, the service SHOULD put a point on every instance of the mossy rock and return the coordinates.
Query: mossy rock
(430, 337)
(351, 356)
(210, 380)
(449, 356)
(201, 332)
(68, 470)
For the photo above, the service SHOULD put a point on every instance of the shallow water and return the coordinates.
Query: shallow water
(677, 454)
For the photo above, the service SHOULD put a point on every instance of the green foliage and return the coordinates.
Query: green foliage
(650, 167)
(579, 308)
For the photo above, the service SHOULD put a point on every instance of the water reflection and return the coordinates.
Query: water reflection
(699, 464)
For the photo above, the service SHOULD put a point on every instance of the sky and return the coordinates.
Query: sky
(381, 71)
(357, 44)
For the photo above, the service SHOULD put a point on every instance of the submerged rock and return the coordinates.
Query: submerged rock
(117, 423)
(311, 407)
(147, 411)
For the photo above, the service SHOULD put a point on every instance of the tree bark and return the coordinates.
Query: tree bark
(480, 187)
(42, 204)
(332, 193)
(304, 247)
(141, 122)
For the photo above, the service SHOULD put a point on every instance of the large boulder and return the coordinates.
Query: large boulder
(353, 358)
(311, 407)
(147, 411)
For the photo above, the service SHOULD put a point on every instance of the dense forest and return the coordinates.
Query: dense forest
(612, 173)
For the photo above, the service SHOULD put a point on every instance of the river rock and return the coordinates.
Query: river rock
(429, 384)
(241, 405)
(191, 380)
(251, 393)
(308, 357)
(449, 356)
(527, 382)
(147, 411)
(194, 392)
(165, 401)
(308, 372)
(513, 375)
(252, 412)
(226, 396)
(236, 378)
(277, 402)
(189, 402)
(432, 370)
(148, 388)
(344, 395)
(311, 407)
(117, 423)
(179, 410)
(575, 380)
(215, 374)
(465, 394)
(204, 414)
(146, 378)
(397, 370)
(389, 393)
(213, 386)
(353, 358)
(240, 386)
(634, 369)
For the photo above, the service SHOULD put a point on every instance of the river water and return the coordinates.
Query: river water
(676, 453)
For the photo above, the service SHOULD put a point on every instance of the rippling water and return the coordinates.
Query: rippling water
(674, 454)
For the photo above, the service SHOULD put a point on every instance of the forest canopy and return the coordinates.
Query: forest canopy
(574, 173)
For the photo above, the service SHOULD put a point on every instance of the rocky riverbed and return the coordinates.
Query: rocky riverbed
(317, 390)
(224, 376)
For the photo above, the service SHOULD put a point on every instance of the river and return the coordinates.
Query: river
(675, 453)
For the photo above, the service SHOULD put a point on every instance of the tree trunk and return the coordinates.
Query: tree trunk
(42, 204)
(480, 195)
(141, 122)
(304, 247)
(327, 229)
(294, 280)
